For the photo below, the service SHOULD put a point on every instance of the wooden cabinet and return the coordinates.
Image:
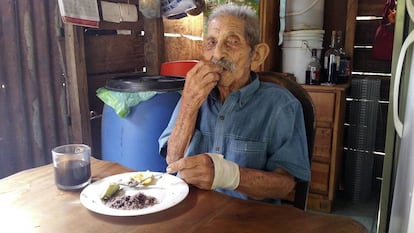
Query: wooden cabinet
(326, 165)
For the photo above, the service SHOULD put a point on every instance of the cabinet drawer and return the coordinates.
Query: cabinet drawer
(319, 178)
(323, 144)
(325, 106)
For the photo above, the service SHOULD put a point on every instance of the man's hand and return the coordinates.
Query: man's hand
(199, 82)
(197, 170)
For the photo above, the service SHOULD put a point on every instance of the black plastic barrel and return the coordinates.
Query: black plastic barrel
(133, 141)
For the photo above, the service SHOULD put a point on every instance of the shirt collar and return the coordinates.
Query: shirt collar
(247, 91)
(244, 93)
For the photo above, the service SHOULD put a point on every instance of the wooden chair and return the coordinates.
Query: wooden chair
(302, 187)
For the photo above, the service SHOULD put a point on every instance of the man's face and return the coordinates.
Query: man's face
(225, 40)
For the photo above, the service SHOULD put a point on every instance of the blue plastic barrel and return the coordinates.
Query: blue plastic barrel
(133, 141)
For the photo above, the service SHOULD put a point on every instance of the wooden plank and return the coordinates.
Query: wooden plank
(364, 62)
(365, 31)
(335, 16)
(77, 85)
(319, 202)
(320, 178)
(153, 45)
(325, 106)
(371, 7)
(322, 148)
(114, 53)
(183, 38)
(337, 146)
(269, 28)
(352, 9)
(182, 49)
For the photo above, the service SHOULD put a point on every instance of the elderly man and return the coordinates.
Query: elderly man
(230, 132)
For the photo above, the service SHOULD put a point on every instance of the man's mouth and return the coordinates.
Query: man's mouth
(226, 64)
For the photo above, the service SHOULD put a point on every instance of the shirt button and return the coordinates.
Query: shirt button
(221, 117)
(217, 148)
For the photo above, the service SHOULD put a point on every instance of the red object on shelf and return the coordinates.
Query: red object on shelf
(177, 68)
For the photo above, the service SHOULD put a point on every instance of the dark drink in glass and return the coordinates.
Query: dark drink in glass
(72, 174)
(72, 166)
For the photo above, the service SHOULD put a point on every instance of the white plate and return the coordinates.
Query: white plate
(169, 190)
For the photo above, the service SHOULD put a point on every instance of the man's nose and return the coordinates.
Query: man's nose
(220, 50)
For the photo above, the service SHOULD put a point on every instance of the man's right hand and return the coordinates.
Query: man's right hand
(200, 80)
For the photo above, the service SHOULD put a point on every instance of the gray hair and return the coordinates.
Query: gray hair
(245, 13)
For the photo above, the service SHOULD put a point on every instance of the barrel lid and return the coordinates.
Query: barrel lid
(137, 83)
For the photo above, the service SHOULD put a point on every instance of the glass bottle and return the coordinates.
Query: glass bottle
(344, 61)
(313, 69)
(331, 61)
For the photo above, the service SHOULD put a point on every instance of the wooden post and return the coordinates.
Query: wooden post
(77, 86)
(153, 45)
(269, 33)
(350, 29)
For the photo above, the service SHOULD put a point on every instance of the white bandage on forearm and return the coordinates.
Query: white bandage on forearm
(226, 173)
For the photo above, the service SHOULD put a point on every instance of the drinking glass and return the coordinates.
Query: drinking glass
(72, 166)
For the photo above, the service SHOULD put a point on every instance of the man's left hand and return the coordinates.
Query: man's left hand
(197, 170)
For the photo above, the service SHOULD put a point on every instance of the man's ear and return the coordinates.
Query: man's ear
(259, 55)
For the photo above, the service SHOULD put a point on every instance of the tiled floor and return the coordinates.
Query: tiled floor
(365, 212)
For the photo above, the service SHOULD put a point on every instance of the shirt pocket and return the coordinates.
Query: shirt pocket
(248, 154)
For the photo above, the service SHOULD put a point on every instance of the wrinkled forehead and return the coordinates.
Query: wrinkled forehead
(226, 25)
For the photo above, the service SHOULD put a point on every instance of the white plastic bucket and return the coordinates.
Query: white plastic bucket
(296, 51)
(304, 14)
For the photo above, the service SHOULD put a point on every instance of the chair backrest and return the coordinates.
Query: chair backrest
(302, 187)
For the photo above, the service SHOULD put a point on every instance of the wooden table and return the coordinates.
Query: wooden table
(30, 202)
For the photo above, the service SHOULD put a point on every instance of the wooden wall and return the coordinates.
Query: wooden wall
(183, 38)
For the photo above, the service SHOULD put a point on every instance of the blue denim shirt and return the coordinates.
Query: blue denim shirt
(259, 126)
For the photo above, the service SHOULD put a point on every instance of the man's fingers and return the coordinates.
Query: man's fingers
(184, 163)
(197, 170)
(172, 167)
(189, 163)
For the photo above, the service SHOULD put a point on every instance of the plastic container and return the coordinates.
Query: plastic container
(133, 141)
(177, 68)
(176, 9)
(297, 51)
(304, 14)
